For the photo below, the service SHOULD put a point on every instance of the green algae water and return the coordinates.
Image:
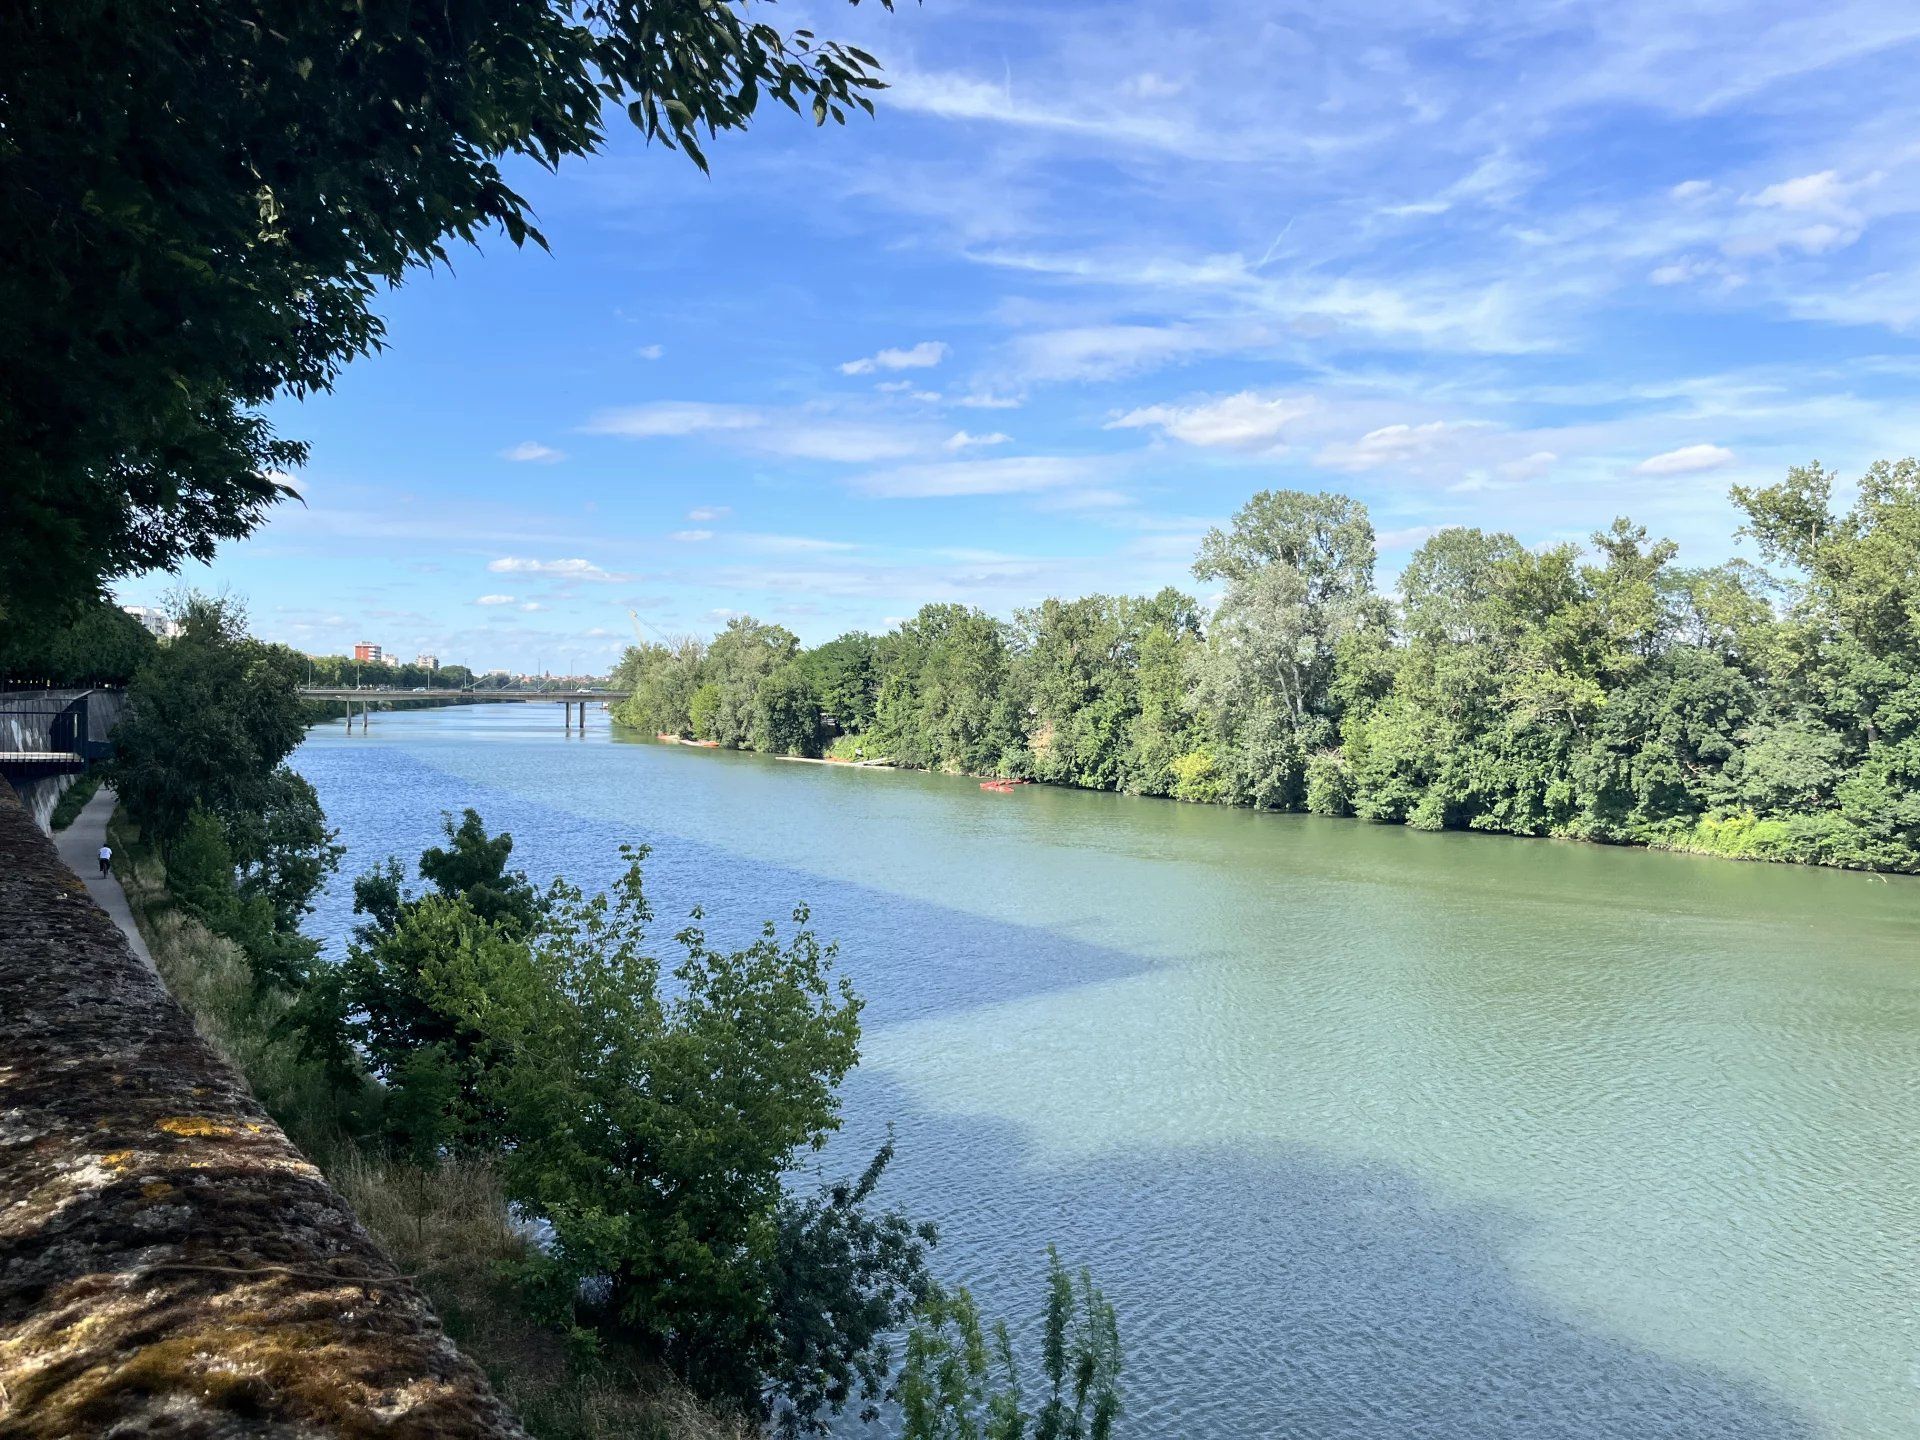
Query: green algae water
(1367, 1133)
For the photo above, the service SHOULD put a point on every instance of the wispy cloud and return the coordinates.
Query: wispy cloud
(1244, 421)
(568, 569)
(666, 418)
(1015, 475)
(1687, 460)
(923, 356)
(966, 440)
(533, 452)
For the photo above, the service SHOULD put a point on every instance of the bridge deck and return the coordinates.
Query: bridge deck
(524, 697)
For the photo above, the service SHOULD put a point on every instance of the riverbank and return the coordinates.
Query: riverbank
(169, 1263)
(1815, 841)
(447, 1224)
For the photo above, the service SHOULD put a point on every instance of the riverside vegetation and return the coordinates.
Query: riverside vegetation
(589, 1156)
(1609, 694)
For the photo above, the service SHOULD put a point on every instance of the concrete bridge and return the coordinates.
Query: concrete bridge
(57, 730)
(349, 696)
(47, 737)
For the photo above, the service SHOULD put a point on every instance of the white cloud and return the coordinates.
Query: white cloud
(651, 352)
(791, 543)
(1150, 85)
(572, 569)
(987, 400)
(1246, 421)
(709, 512)
(1687, 460)
(1824, 191)
(1691, 189)
(533, 452)
(1106, 352)
(691, 537)
(923, 356)
(800, 434)
(961, 97)
(965, 440)
(532, 605)
(494, 600)
(1011, 476)
(848, 442)
(1394, 444)
(672, 418)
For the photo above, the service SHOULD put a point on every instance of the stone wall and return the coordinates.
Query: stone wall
(169, 1264)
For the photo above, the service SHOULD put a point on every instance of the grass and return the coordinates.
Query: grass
(448, 1224)
(74, 799)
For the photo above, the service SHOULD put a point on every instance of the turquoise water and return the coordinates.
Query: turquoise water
(1366, 1132)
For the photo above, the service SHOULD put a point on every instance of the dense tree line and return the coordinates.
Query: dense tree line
(1607, 692)
(98, 644)
(337, 671)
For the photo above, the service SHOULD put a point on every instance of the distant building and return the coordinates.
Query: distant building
(367, 654)
(427, 662)
(155, 619)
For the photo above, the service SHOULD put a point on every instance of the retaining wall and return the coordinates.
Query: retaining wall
(170, 1265)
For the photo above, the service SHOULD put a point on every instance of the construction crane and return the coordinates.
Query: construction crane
(634, 616)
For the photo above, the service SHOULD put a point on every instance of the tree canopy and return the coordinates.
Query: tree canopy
(198, 204)
(1602, 691)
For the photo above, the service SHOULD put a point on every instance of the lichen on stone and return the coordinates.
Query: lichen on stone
(170, 1265)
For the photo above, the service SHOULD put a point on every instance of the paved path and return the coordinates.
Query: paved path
(79, 846)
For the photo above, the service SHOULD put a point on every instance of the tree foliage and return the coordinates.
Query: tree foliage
(198, 204)
(962, 1382)
(1601, 691)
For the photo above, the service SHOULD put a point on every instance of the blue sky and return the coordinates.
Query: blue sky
(1096, 274)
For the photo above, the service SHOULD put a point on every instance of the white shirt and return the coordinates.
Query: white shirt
(106, 852)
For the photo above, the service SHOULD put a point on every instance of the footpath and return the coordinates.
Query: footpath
(79, 845)
(170, 1265)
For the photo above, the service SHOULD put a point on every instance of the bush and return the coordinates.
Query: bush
(1197, 777)
(948, 1389)
(1329, 784)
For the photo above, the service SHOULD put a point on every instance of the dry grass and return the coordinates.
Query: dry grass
(449, 1224)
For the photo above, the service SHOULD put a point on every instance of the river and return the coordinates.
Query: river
(1367, 1133)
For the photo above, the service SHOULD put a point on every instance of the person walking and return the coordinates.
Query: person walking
(106, 858)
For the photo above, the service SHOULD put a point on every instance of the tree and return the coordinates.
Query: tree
(190, 232)
(846, 1278)
(786, 714)
(209, 719)
(845, 675)
(741, 657)
(101, 645)
(650, 1125)
(947, 1386)
(949, 698)
(663, 680)
(1299, 573)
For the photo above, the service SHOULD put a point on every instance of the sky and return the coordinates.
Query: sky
(1097, 273)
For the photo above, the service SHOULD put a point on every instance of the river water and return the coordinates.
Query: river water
(1367, 1133)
